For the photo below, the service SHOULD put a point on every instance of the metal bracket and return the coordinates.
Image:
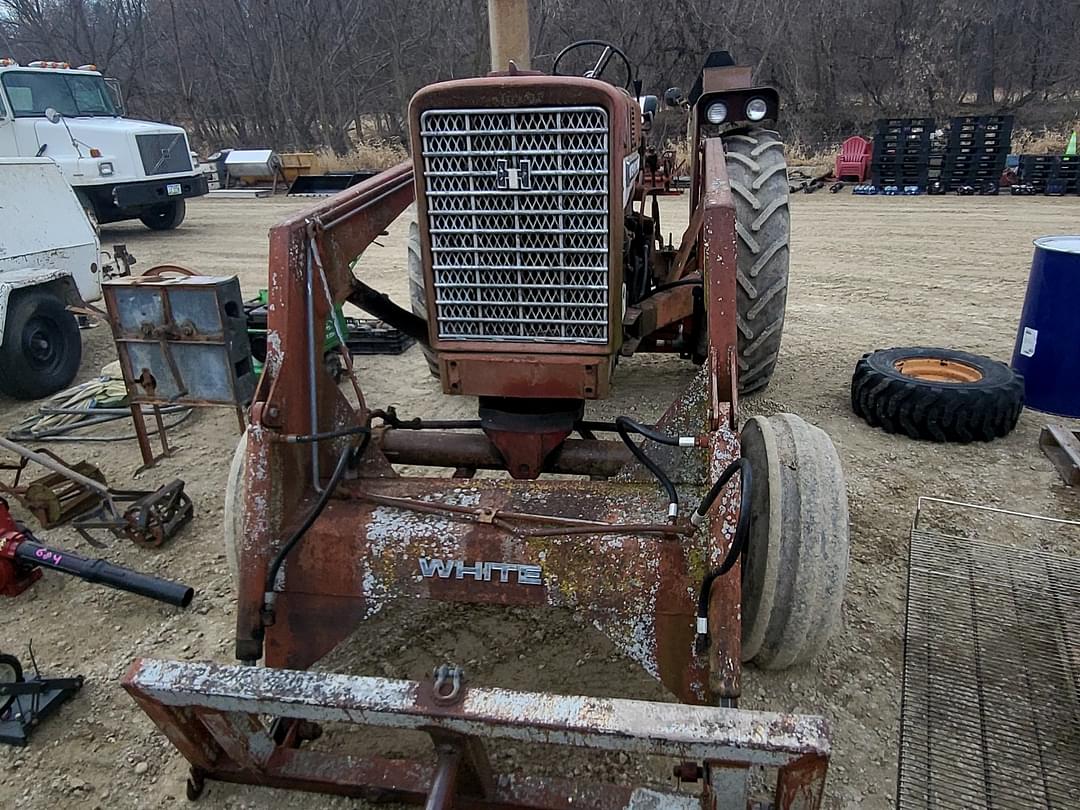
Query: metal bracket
(214, 715)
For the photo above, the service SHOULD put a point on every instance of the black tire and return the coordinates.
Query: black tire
(796, 560)
(42, 347)
(757, 170)
(417, 298)
(956, 397)
(10, 672)
(166, 216)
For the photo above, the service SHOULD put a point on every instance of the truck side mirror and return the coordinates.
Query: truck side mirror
(53, 115)
(673, 97)
(650, 106)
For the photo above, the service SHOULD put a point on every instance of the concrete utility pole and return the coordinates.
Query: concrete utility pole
(508, 24)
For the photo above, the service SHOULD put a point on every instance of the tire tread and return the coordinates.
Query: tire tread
(958, 412)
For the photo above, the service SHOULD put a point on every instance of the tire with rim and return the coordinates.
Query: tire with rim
(42, 347)
(757, 170)
(796, 559)
(417, 298)
(937, 394)
(166, 216)
(10, 672)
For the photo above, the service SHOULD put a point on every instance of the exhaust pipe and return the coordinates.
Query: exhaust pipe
(508, 25)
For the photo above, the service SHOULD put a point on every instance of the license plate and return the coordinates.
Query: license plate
(172, 189)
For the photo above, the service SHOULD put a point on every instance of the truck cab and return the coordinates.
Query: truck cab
(120, 168)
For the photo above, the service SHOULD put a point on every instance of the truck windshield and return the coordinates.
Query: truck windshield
(30, 93)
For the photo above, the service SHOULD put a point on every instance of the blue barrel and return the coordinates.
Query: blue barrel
(1047, 349)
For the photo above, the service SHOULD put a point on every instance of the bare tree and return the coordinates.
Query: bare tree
(310, 73)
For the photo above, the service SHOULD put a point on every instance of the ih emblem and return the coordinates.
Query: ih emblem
(514, 179)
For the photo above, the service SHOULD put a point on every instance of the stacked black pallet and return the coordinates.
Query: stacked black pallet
(902, 153)
(1058, 174)
(978, 147)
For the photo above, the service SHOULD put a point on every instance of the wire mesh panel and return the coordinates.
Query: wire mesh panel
(518, 217)
(991, 695)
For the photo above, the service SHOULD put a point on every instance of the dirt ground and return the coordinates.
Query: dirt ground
(867, 273)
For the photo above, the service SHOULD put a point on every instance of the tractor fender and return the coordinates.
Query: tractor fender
(59, 282)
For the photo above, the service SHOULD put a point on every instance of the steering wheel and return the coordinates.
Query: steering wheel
(609, 51)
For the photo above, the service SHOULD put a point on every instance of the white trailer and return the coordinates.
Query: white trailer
(50, 259)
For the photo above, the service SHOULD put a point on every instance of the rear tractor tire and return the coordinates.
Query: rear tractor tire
(417, 298)
(757, 171)
(797, 552)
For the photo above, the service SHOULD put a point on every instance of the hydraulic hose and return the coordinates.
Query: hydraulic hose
(624, 426)
(738, 545)
(309, 519)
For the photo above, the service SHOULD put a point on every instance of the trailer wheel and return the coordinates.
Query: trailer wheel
(417, 299)
(937, 394)
(797, 553)
(234, 508)
(10, 672)
(166, 216)
(757, 171)
(42, 347)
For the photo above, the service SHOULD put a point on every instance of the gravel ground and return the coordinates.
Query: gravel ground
(867, 273)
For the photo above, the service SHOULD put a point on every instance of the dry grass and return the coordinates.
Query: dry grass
(804, 156)
(367, 155)
(1044, 141)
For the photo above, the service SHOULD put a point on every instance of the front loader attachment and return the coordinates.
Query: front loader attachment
(326, 528)
(213, 714)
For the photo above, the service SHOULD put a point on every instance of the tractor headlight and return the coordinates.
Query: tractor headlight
(717, 112)
(105, 169)
(756, 109)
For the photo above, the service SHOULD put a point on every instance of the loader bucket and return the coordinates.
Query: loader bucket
(325, 184)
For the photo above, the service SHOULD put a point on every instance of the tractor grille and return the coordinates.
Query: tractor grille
(165, 153)
(518, 216)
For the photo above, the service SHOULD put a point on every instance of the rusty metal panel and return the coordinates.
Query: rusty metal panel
(608, 724)
(636, 588)
(719, 248)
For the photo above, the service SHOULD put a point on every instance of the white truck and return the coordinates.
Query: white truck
(49, 259)
(120, 168)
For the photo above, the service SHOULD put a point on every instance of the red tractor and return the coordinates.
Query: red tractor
(538, 263)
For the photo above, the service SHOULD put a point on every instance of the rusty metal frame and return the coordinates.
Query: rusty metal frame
(599, 547)
(213, 714)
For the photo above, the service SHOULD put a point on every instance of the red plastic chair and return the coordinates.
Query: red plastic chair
(854, 159)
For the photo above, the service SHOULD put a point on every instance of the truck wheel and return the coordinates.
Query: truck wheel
(165, 217)
(42, 346)
(417, 299)
(797, 553)
(757, 170)
(937, 394)
(10, 672)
